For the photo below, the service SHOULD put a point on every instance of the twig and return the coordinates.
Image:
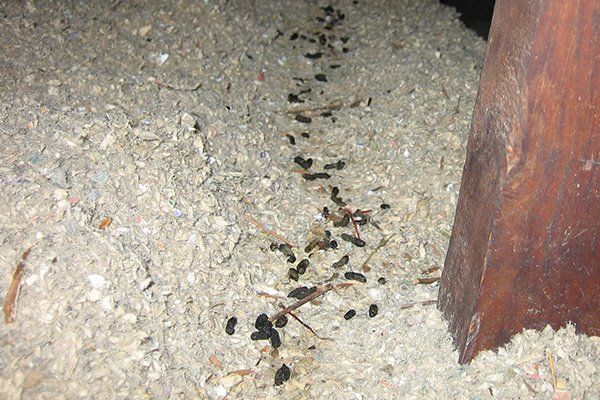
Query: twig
(269, 232)
(415, 303)
(529, 387)
(304, 324)
(320, 291)
(12, 294)
(333, 105)
(382, 243)
(353, 223)
(552, 369)
(165, 85)
(426, 281)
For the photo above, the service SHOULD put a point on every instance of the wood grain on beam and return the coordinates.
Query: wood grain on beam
(525, 247)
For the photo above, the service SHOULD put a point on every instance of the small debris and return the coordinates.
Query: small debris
(96, 281)
(230, 327)
(305, 135)
(282, 375)
(105, 223)
(355, 276)
(349, 314)
(12, 294)
(427, 281)
(384, 206)
(334, 66)
(354, 240)
(373, 310)
(382, 281)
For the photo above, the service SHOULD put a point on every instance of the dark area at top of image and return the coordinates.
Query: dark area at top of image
(475, 14)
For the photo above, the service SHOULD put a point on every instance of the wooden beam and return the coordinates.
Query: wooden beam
(525, 246)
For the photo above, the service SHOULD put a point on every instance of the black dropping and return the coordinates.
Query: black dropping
(275, 339)
(349, 314)
(304, 163)
(293, 274)
(354, 240)
(369, 100)
(373, 310)
(293, 98)
(317, 175)
(382, 281)
(260, 335)
(343, 261)
(309, 247)
(345, 39)
(301, 292)
(286, 249)
(337, 200)
(333, 244)
(325, 212)
(281, 321)
(345, 50)
(313, 56)
(328, 10)
(230, 327)
(334, 66)
(326, 114)
(355, 276)
(337, 165)
(343, 222)
(360, 217)
(291, 139)
(262, 323)
(282, 375)
(321, 77)
(294, 36)
(303, 119)
(302, 265)
(384, 206)
(305, 135)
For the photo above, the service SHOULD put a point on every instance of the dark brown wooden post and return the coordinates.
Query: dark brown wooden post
(525, 247)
